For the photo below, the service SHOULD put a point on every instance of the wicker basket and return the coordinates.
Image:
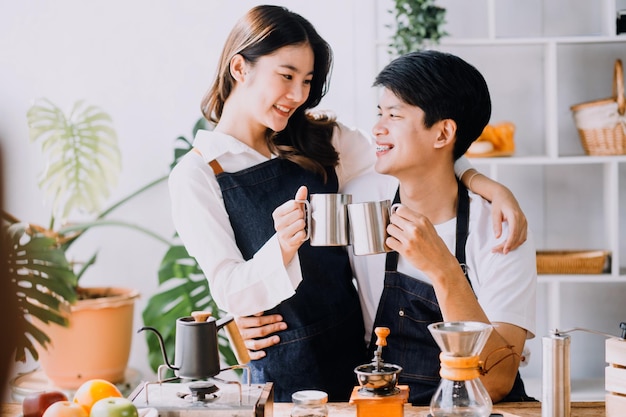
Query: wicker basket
(572, 262)
(602, 123)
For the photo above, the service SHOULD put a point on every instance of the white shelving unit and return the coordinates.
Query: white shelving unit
(539, 57)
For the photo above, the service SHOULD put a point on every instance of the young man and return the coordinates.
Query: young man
(432, 106)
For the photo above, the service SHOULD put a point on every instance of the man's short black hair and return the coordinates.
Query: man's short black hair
(444, 86)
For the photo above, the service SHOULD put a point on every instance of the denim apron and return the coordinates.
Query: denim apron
(324, 340)
(407, 306)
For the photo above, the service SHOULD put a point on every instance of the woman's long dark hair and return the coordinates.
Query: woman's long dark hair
(306, 140)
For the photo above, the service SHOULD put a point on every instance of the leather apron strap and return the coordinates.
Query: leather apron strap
(216, 167)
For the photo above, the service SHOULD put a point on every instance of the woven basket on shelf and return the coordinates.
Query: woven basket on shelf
(602, 123)
(572, 262)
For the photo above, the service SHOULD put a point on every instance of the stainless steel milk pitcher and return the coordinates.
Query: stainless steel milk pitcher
(368, 226)
(327, 219)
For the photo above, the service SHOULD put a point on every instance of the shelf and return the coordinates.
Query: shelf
(531, 41)
(539, 41)
(580, 278)
(547, 160)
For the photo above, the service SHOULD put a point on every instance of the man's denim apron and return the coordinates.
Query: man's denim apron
(324, 340)
(407, 306)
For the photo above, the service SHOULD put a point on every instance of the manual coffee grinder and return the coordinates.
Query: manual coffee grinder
(378, 393)
(460, 392)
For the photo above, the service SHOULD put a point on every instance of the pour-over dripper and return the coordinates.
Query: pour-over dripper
(460, 392)
(460, 338)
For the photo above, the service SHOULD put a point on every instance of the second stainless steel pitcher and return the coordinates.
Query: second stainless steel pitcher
(368, 226)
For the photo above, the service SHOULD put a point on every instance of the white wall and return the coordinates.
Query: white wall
(147, 63)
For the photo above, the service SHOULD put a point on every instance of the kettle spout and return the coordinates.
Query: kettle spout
(161, 343)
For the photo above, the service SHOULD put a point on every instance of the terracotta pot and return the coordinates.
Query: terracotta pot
(97, 342)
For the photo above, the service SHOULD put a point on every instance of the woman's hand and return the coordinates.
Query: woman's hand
(290, 225)
(255, 329)
(505, 207)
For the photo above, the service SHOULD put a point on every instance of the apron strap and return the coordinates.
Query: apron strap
(391, 261)
(462, 230)
(462, 226)
(216, 167)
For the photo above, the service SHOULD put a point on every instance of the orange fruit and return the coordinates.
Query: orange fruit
(65, 409)
(93, 390)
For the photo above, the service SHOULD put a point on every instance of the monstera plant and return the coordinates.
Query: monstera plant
(83, 163)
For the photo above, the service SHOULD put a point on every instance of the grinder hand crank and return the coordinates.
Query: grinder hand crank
(381, 341)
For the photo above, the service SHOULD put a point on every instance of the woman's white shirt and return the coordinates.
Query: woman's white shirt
(243, 287)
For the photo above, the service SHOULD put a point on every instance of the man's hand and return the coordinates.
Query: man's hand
(414, 237)
(254, 330)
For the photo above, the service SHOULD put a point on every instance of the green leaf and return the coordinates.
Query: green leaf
(43, 279)
(83, 158)
(26, 344)
(418, 24)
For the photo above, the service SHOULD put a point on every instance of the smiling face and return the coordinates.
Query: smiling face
(276, 85)
(403, 144)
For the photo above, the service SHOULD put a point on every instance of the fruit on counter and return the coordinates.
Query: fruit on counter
(65, 409)
(494, 138)
(114, 407)
(35, 404)
(93, 390)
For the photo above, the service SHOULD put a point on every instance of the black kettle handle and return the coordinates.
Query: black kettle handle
(224, 321)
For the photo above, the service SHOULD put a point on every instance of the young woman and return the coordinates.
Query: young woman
(274, 68)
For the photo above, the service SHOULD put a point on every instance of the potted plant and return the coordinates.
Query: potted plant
(82, 165)
(418, 25)
(47, 281)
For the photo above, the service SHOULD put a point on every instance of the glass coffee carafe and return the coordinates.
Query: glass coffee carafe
(460, 392)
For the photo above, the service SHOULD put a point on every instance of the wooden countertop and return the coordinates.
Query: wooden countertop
(587, 409)
(579, 409)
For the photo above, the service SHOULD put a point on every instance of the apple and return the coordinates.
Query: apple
(114, 407)
(65, 409)
(35, 404)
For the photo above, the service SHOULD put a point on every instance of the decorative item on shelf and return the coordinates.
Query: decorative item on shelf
(418, 24)
(601, 123)
(573, 262)
(495, 140)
